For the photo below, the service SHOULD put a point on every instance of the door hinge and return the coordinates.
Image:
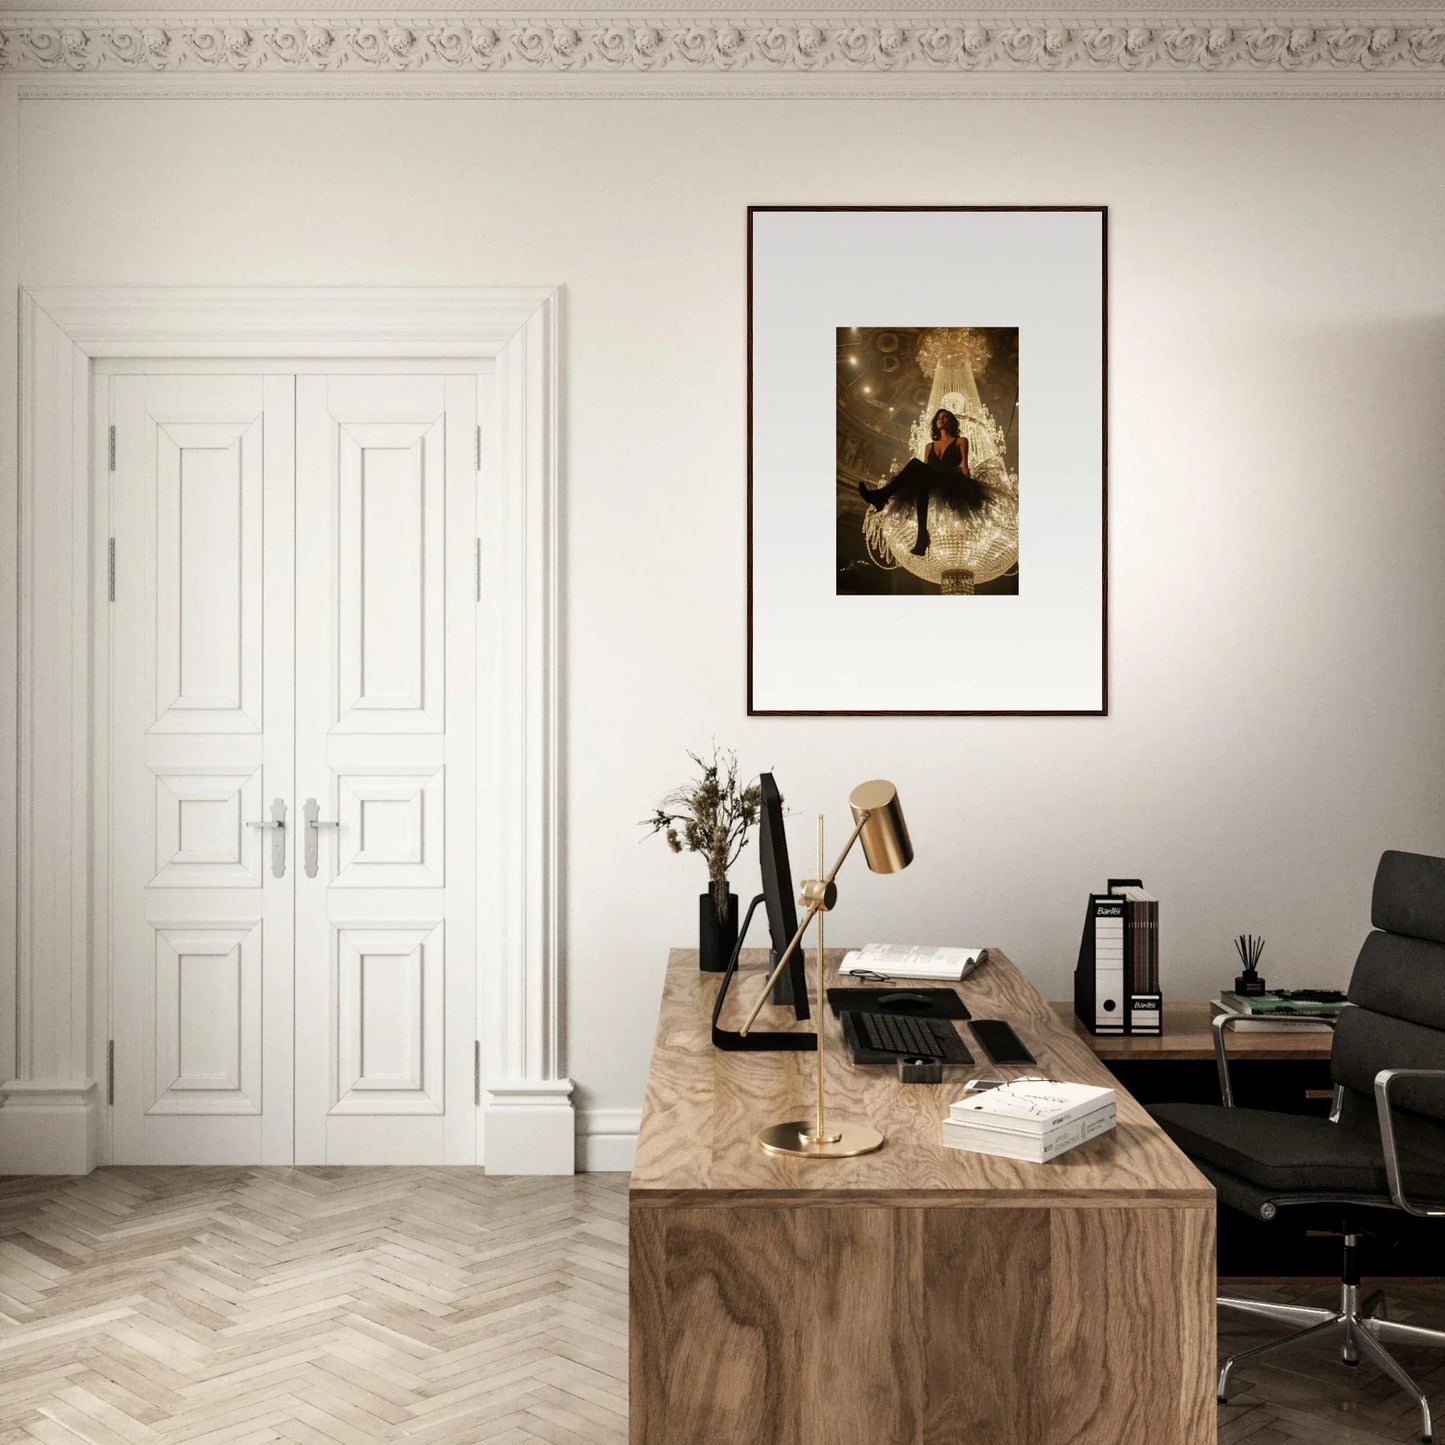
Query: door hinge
(110, 568)
(110, 1072)
(479, 450)
(477, 1072)
(111, 446)
(479, 569)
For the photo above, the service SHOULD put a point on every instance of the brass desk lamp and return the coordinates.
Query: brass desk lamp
(878, 824)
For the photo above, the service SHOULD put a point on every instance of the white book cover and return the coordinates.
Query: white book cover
(1035, 1105)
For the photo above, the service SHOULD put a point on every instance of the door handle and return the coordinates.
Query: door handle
(314, 825)
(276, 822)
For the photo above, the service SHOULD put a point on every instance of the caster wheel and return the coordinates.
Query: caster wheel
(1352, 1364)
(1221, 1399)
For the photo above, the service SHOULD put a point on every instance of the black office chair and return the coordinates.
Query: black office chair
(1381, 1151)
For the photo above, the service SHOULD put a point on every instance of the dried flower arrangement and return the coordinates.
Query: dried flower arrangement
(711, 815)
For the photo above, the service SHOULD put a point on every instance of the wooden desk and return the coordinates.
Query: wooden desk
(1188, 1037)
(919, 1294)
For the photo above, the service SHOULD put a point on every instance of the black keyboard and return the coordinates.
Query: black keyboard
(888, 1037)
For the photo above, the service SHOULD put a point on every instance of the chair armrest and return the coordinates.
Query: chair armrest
(1223, 1023)
(1383, 1080)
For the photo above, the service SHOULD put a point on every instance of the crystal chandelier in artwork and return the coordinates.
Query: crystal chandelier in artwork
(971, 535)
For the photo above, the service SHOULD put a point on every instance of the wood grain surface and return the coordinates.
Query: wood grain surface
(1188, 1036)
(915, 1296)
(986, 1279)
(863, 1324)
(1132, 1325)
(703, 1108)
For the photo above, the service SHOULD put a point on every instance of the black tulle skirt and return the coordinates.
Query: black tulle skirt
(949, 485)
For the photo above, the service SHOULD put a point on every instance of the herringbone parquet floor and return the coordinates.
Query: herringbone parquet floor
(351, 1306)
(320, 1306)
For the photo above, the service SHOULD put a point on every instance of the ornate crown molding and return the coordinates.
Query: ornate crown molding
(839, 46)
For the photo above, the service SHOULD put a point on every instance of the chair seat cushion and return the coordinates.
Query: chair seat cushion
(1291, 1153)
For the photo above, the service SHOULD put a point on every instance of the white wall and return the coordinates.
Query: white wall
(1277, 512)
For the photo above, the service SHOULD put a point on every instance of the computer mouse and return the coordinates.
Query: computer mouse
(904, 1000)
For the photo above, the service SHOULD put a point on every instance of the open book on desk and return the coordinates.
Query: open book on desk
(904, 960)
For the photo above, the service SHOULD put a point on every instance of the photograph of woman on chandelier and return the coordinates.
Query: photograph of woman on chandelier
(927, 486)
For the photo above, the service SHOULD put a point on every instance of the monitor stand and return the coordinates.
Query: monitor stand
(757, 1040)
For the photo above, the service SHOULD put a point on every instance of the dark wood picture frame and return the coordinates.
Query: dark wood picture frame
(1103, 708)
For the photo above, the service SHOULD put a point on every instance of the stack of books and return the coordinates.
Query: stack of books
(1141, 948)
(1262, 1012)
(1033, 1119)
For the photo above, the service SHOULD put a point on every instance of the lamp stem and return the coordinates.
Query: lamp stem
(847, 848)
(819, 1133)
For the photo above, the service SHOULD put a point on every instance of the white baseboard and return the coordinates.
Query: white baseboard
(530, 1127)
(48, 1128)
(607, 1140)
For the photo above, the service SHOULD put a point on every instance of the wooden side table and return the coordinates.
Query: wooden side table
(1187, 1037)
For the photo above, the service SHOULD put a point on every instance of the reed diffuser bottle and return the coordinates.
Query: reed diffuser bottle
(1249, 984)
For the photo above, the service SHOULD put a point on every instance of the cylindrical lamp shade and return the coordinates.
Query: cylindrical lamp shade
(885, 840)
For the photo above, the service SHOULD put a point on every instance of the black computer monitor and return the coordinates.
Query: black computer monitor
(776, 898)
(791, 987)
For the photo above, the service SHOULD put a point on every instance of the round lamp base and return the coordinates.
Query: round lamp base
(844, 1141)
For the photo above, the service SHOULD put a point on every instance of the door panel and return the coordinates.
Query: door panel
(385, 734)
(390, 994)
(392, 824)
(208, 484)
(202, 503)
(207, 1003)
(202, 838)
(390, 515)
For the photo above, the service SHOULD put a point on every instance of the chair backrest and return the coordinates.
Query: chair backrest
(1398, 993)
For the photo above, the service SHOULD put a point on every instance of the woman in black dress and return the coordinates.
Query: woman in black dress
(943, 473)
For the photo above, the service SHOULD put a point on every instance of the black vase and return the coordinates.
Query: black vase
(716, 938)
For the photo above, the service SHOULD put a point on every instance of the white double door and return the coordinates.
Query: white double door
(293, 642)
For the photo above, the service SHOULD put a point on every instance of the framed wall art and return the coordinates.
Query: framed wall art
(927, 459)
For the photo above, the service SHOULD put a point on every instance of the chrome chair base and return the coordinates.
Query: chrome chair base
(1361, 1326)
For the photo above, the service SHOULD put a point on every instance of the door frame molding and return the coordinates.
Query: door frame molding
(53, 1100)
